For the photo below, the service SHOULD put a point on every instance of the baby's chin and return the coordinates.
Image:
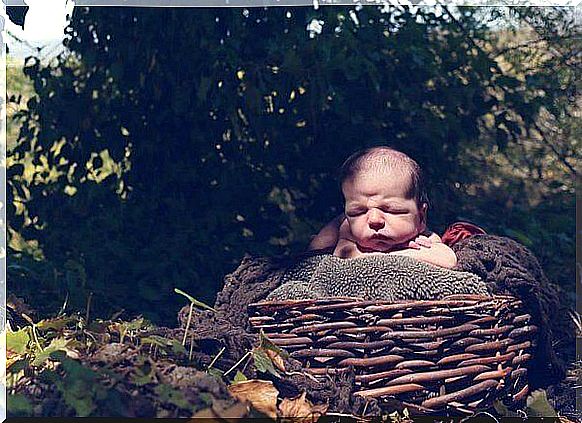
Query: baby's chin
(363, 249)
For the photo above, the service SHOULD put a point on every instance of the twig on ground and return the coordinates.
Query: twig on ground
(216, 357)
(188, 324)
(247, 354)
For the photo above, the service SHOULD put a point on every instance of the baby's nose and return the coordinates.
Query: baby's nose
(375, 221)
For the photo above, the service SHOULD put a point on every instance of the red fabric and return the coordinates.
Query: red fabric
(460, 230)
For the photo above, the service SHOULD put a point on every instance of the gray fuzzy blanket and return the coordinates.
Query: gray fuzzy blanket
(374, 277)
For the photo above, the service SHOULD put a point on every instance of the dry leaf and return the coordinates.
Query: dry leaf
(277, 360)
(11, 358)
(211, 414)
(301, 409)
(260, 393)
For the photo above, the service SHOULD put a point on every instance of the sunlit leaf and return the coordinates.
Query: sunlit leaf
(260, 393)
(18, 341)
(56, 324)
(301, 409)
(57, 344)
(239, 377)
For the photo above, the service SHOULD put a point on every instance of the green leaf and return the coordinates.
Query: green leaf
(263, 363)
(18, 341)
(167, 345)
(215, 372)
(206, 398)
(18, 366)
(537, 405)
(76, 371)
(18, 405)
(143, 375)
(177, 347)
(171, 395)
(136, 324)
(79, 386)
(267, 344)
(503, 410)
(520, 236)
(56, 324)
(79, 401)
(194, 300)
(57, 344)
(154, 340)
(124, 327)
(239, 377)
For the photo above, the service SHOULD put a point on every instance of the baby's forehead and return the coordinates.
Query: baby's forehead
(383, 174)
(393, 185)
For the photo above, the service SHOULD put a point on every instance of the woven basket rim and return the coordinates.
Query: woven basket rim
(469, 298)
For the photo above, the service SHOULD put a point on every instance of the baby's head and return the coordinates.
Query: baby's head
(385, 198)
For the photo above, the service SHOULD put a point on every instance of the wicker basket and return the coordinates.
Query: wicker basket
(462, 352)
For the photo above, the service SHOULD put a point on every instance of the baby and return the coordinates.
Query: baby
(385, 211)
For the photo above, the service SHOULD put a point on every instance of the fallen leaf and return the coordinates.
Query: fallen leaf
(11, 358)
(301, 409)
(239, 377)
(260, 393)
(263, 362)
(277, 360)
(212, 414)
(17, 341)
(267, 344)
(57, 344)
(537, 405)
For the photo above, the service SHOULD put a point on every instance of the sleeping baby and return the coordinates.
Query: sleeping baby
(385, 211)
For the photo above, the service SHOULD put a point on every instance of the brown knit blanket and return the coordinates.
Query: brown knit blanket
(508, 267)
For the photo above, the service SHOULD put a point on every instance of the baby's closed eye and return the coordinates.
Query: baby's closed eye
(394, 211)
(355, 212)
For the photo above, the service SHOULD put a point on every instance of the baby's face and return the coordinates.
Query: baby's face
(380, 216)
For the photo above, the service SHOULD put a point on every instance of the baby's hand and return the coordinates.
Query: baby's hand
(420, 242)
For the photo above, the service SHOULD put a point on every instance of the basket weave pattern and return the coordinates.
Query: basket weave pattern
(461, 352)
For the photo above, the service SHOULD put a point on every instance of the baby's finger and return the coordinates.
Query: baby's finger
(413, 245)
(423, 241)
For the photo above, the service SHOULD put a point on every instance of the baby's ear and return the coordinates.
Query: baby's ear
(423, 213)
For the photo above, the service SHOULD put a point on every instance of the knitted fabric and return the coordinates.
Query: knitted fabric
(508, 267)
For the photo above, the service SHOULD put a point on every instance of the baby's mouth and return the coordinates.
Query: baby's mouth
(377, 242)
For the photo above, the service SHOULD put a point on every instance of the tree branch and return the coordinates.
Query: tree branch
(536, 125)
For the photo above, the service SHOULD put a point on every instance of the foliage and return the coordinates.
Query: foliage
(67, 366)
(169, 143)
(61, 366)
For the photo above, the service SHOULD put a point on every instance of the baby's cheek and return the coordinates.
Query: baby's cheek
(356, 229)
